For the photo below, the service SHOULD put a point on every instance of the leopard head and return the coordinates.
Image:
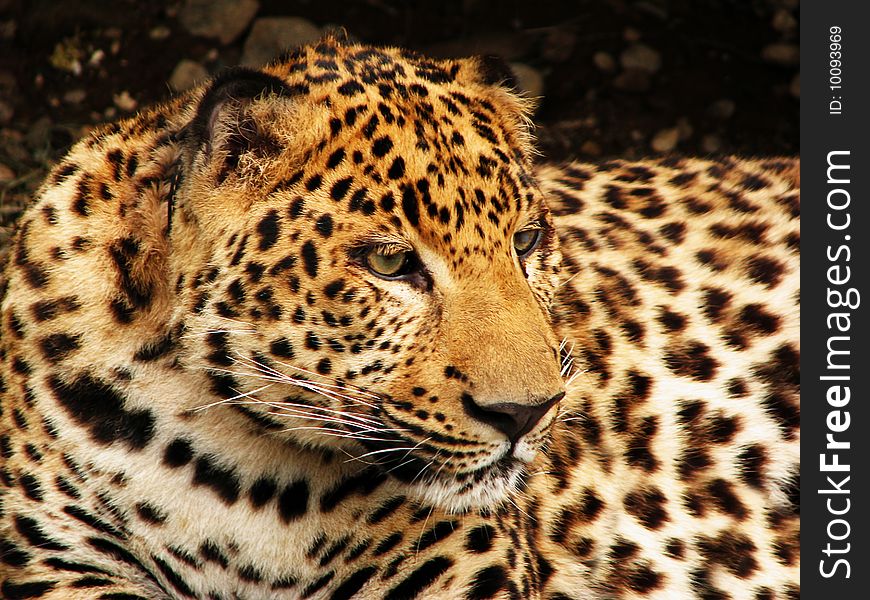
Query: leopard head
(375, 264)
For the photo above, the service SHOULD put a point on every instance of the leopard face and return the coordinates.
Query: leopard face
(375, 278)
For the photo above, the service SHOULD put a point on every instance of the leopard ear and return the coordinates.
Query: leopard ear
(495, 71)
(223, 128)
(503, 90)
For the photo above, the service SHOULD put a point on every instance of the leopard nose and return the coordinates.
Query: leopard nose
(512, 419)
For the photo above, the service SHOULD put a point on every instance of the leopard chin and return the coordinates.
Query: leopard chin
(485, 489)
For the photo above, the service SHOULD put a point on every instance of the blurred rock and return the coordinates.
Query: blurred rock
(633, 80)
(529, 81)
(684, 127)
(711, 144)
(6, 112)
(558, 45)
(75, 96)
(39, 134)
(722, 109)
(781, 54)
(630, 34)
(272, 35)
(187, 74)
(10, 210)
(665, 140)
(67, 56)
(8, 83)
(604, 61)
(161, 32)
(125, 101)
(6, 174)
(8, 29)
(591, 147)
(784, 22)
(12, 146)
(96, 58)
(795, 87)
(641, 57)
(654, 8)
(508, 46)
(221, 19)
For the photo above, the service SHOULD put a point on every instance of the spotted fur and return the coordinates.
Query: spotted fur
(207, 394)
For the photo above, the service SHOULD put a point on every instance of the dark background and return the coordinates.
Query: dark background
(712, 77)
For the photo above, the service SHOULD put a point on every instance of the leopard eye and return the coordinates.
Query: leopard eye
(388, 265)
(525, 241)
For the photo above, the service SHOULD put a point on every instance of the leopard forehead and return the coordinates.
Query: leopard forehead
(395, 142)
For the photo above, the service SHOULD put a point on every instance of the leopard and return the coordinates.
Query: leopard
(332, 329)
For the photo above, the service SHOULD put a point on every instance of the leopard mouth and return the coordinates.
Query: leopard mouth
(454, 474)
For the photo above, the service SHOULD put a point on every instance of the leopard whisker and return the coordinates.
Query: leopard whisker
(568, 359)
(366, 424)
(336, 433)
(566, 368)
(417, 445)
(517, 506)
(574, 377)
(283, 377)
(351, 457)
(211, 331)
(540, 472)
(295, 412)
(407, 462)
(567, 280)
(408, 449)
(312, 373)
(381, 451)
(575, 414)
(441, 468)
(292, 412)
(231, 320)
(342, 413)
(426, 466)
(422, 530)
(360, 425)
(231, 399)
(304, 384)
